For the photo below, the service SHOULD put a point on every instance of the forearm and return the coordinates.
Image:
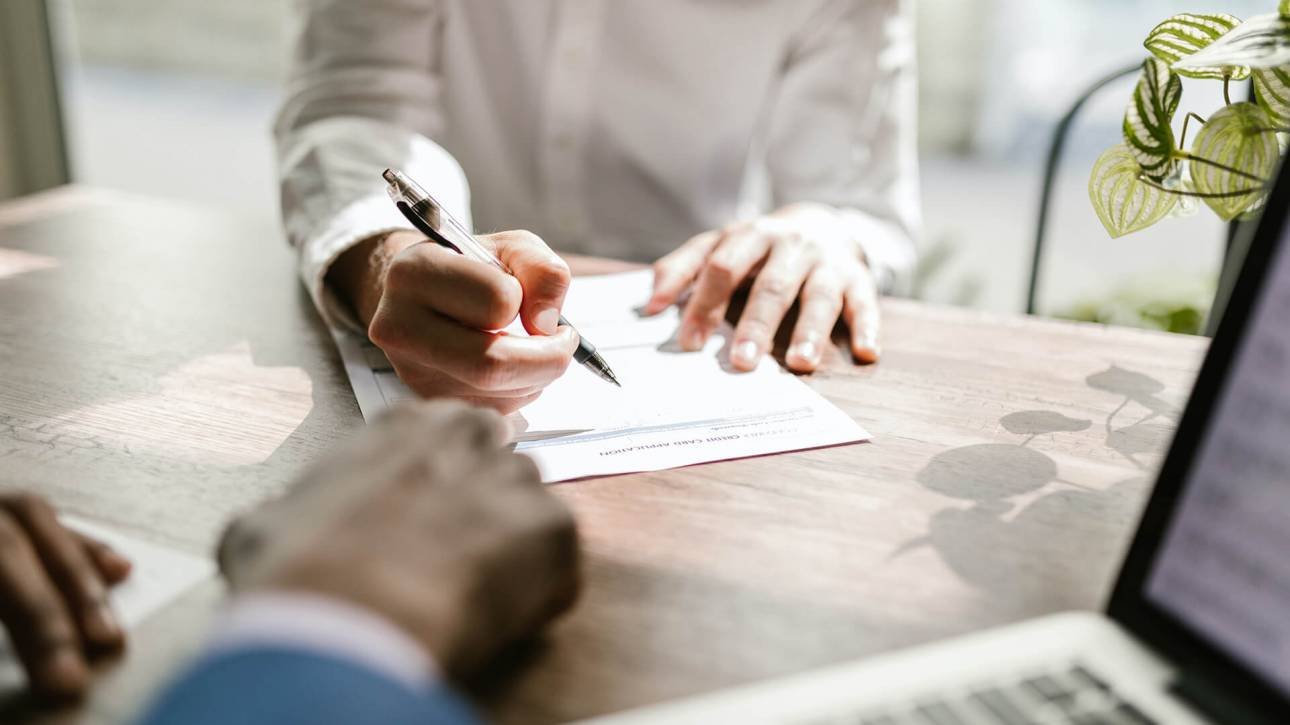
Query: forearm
(363, 95)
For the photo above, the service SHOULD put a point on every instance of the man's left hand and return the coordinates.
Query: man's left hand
(54, 586)
(799, 252)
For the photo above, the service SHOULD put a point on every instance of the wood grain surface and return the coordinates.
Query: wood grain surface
(162, 369)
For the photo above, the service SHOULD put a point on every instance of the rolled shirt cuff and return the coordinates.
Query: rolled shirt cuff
(325, 626)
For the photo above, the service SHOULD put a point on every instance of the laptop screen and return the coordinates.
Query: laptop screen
(1223, 567)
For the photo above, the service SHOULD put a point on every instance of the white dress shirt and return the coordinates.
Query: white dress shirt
(613, 127)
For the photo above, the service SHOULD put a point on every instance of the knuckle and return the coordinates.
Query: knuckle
(523, 237)
(792, 240)
(383, 332)
(811, 253)
(481, 426)
(501, 302)
(555, 275)
(47, 619)
(775, 288)
(755, 328)
(824, 281)
(721, 271)
(401, 274)
(28, 506)
(559, 271)
(12, 538)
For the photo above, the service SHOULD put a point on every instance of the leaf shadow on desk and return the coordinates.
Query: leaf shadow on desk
(1145, 435)
(1055, 549)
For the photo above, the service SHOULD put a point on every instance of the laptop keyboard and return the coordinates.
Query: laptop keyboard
(1069, 697)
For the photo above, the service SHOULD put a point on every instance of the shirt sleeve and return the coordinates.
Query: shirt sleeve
(843, 127)
(328, 627)
(364, 95)
(278, 657)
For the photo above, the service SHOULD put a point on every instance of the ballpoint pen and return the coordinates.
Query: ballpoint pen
(432, 220)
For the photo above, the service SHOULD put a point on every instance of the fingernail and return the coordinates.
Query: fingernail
(547, 320)
(101, 625)
(691, 339)
(746, 352)
(807, 351)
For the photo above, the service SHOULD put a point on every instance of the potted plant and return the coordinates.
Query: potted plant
(1233, 155)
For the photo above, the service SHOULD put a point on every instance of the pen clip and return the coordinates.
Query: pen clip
(424, 226)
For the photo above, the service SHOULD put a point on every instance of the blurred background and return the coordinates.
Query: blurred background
(176, 99)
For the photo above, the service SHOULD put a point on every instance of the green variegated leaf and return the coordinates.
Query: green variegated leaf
(1240, 137)
(1284, 7)
(1272, 90)
(1148, 129)
(1123, 201)
(1188, 33)
(1263, 41)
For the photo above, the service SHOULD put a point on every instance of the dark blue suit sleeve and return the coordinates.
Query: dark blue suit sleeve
(280, 686)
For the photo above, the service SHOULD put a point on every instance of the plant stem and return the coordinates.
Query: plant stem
(1198, 194)
(1227, 94)
(1182, 143)
(1224, 167)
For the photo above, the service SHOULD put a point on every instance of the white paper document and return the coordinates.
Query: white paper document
(674, 409)
(158, 576)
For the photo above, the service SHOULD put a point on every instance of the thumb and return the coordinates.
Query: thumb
(543, 276)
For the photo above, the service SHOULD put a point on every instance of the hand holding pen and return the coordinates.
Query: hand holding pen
(431, 219)
(435, 314)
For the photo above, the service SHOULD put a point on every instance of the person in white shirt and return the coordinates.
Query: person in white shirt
(762, 142)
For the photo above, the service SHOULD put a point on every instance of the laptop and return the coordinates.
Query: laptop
(1198, 626)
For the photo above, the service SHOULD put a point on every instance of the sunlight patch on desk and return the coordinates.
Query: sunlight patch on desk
(200, 413)
(14, 262)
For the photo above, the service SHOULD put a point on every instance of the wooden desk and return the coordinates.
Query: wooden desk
(161, 369)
